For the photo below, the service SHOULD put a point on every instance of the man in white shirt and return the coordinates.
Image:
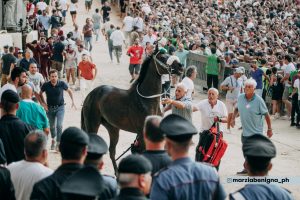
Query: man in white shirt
(139, 23)
(41, 5)
(118, 39)
(285, 97)
(188, 81)
(36, 79)
(25, 173)
(211, 109)
(150, 37)
(127, 25)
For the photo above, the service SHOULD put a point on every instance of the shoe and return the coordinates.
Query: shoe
(285, 117)
(52, 145)
(243, 172)
(131, 80)
(57, 147)
(293, 124)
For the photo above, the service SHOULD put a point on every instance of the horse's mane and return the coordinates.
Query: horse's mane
(144, 70)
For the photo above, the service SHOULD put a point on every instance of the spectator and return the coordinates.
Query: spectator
(27, 60)
(182, 54)
(155, 144)
(73, 11)
(88, 34)
(73, 148)
(41, 5)
(71, 64)
(257, 74)
(127, 25)
(45, 20)
(96, 22)
(296, 87)
(118, 39)
(36, 79)
(88, 5)
(8, 62)
(188, 80)
(55, 20)
(12, 129)
(277, 91)
(213, 69)
(182, 105)
(135, 52)
(25, 173)
(57, 57)
(106, 10)
(31, 112)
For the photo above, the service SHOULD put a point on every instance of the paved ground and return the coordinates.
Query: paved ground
(286, 139)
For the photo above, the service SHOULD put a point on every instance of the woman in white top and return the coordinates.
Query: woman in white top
(73, 10)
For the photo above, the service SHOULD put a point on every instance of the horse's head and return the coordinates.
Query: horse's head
(166, 64)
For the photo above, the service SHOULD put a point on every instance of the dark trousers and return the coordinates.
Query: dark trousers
(212, 80)
(295, 109)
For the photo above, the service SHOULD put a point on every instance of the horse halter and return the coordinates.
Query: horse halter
(165, 66)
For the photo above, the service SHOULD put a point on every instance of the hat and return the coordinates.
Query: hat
(177, 128)
(259, 146)
(97, 146)
(2, 153)
(74, 135)
(10, 96)
(135, 164)
(86, 182)
(238, 70)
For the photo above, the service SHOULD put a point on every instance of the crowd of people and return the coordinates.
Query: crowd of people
(264, 34)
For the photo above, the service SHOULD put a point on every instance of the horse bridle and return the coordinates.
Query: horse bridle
(165, 66)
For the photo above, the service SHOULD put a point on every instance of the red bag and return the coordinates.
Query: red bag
(211, 146)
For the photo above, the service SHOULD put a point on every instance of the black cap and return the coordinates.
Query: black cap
(177, 128)
(2, 153)
(97, 146)
(87, 182)
(10, 96)
(74, 135)
(259, 146)
(135, 164)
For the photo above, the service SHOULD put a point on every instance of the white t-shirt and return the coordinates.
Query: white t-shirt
(24, 175)
(7, 86)
(208, 113)
(73, 7)
(41, 6)
(138, 22)
(37, 79)
(289, 68)
(297, 85)
(63, 4)
(128, 23)
(117, 38)
(189, 84)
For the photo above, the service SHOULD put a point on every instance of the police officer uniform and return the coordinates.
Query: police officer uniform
(259, 146)
(184, 178)
(85, 184)
(96, 149)
(133, 164)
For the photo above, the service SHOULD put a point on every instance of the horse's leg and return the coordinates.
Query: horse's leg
(114, 138)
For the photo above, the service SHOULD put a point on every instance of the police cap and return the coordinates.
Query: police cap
(74, 135)
(135, 164)
(97, 146)
(87, 182)
(259, 146)
(177, 128)
(10, 96)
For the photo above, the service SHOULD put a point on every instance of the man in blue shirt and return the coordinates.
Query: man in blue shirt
(258, 151)
(184, 178)
(252, 110)
(257, 74)
(55, 106)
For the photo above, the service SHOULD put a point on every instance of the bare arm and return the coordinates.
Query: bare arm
(71, 96)
(42, 100)
(268, 121)
(177, 104)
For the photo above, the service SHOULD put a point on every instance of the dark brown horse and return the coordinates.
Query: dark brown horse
(117, 109)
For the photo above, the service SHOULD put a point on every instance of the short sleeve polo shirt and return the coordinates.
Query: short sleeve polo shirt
(55, 94)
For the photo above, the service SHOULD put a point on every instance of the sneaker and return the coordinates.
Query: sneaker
(243, 172)
(52, 145)
(285, 117)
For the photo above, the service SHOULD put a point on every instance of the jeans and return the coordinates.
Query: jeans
(118, 52)
(56, 117)
(212, 80)
(110, 50)
(87, 41)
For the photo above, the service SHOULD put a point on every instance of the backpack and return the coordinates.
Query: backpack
(211, 146)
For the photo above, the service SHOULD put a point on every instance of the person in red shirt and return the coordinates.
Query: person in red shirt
(87, 72)
(135, 52)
